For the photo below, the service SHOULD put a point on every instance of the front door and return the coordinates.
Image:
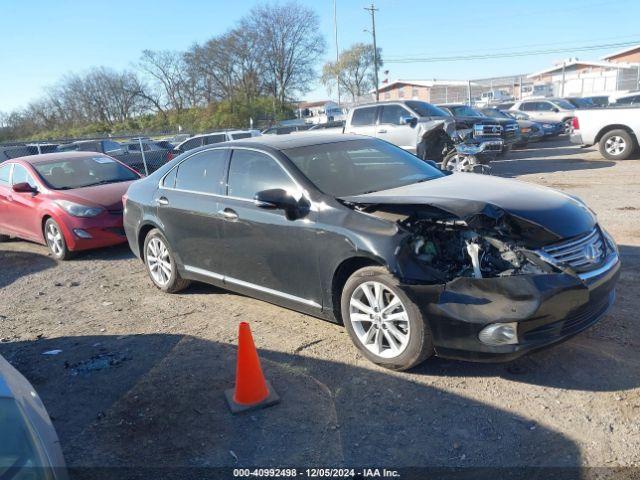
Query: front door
(264, 250)
(188, 207)
(393, 129)
(22, 212)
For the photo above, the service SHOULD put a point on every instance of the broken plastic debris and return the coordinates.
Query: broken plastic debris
(52, 352)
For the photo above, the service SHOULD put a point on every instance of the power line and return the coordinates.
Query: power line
(489, 56)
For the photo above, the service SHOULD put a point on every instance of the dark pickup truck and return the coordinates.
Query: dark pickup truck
(466, 117)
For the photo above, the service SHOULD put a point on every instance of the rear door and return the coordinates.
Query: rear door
(363, 121)
(188, 206)
(392, 129)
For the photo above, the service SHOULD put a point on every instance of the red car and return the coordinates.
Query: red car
(69, 201)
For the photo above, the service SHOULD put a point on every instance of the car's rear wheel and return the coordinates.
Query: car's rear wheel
(617, 145)
(55, 240)
(383, 322)
(161, 263)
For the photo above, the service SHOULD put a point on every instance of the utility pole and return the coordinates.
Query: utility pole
(335, 29)
(372, 9)
(564, 65)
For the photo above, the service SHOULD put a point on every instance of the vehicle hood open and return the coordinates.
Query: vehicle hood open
(535, 214)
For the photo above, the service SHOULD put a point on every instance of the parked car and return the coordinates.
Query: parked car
(334, 126)
(29, 445)
(286, 129)
(510, 130)
(212, 138)
(155, 153)
(547, 110)
(580, 103)
(529, 131)
(22, 150)
(549, 129)
(631, 98)
(599, 100)
(616, 131)
(504, 105)
(68, 201)
(413, 261)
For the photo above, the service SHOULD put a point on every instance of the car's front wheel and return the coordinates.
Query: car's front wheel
(55, 240)
(383, 322)
(161, 263)
(617, 145)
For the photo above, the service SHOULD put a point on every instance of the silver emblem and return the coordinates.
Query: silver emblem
(591, 253)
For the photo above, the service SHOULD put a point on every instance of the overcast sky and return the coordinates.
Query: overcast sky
(42, 40)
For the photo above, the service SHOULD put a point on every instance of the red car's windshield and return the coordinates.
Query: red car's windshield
(83, 172)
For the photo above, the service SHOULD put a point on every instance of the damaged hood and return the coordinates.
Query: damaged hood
(538, 214)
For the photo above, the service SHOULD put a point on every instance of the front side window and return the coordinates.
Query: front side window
(5, 171)
(544, 106)
(203, 172)
(21, 175)
(364, 116)
(83, 172)
(356, 167)
(191, 144)
(391, 114)
(251, 172)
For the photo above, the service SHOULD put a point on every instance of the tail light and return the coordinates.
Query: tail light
(575, 124)
(169, 156)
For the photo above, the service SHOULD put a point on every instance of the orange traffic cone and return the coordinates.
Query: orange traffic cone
(252, 390)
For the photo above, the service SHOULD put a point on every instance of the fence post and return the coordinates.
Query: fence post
(38, 147)
(469, 91)
(144, 158)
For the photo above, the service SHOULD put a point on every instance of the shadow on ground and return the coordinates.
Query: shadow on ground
(15, 264)
(157, 400)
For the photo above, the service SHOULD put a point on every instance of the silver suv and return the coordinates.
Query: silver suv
(547, 109)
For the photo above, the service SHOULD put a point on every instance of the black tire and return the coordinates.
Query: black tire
(629, 145)
(420, 344)
(54, 238)
(175, 283)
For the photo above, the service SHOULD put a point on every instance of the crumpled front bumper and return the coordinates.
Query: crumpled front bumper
(549, 308)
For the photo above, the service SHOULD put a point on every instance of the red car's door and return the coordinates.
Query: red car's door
(23, 206)
(5, 196)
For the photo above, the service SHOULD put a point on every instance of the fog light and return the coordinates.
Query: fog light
(82, 233)
(499, 334)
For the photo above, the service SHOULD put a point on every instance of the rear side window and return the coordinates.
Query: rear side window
(251, 172)
(202, 172)
(211, 139)
(364, 116)
(5, 170)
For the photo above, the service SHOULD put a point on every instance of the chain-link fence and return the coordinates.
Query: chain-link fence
(144, 154)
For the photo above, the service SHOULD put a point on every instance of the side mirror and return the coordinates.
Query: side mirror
(24, 187)
(280, 199)
(408, 120)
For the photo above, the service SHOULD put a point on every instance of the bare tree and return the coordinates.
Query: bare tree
(166, 69)
(353, 71)
(290, 45)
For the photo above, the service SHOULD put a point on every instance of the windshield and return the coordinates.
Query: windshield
(83, 172)
(424, 109)
(355, 167)
(463, 110)
(564, 104)
(495, 113)
(19, 456)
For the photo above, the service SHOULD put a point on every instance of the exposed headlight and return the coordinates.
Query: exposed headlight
(499, 334)
(79, 210)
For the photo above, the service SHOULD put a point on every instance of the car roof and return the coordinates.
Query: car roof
(283, 142)
(48, 157)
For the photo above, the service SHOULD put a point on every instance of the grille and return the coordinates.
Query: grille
(487, 130)
(580, 253)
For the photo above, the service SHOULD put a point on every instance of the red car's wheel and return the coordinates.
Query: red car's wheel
(55, 240)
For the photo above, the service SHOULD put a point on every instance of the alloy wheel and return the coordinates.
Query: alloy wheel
(158, 261)
(379, 319)
(615, 145)
(54, 239)
(459, 163)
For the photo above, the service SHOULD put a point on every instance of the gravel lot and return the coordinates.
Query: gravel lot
(141, 375)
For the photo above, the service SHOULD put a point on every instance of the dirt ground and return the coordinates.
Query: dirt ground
(141, 375)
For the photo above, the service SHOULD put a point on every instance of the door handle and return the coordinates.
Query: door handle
(163, 201)
(228, 214)
(382, 131)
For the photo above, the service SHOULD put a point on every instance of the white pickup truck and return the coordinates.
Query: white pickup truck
(615, 130)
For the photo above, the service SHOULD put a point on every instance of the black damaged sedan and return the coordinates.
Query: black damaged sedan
(413, 261)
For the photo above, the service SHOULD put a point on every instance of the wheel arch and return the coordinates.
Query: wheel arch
(342, 273)
(615, 126)
(143, 231)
